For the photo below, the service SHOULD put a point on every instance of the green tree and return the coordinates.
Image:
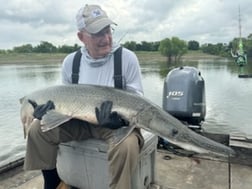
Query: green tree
(179, 48)
(211, 49)
(45, 47)
(23, 49)
(67, 48)
(143, 46)
(250, 36)
(155, 45)
(132, 45)
(249, 47)
(165, 48)
(146, 46)
(193, 45)
(173, 48)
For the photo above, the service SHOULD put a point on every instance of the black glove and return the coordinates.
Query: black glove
(108, 119)
(40, 110)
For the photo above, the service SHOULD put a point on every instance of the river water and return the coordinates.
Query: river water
(228, 98)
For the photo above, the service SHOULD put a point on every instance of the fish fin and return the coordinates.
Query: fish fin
(119, 135)
(53, 119)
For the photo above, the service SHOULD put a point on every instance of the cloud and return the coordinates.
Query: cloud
(209, 21)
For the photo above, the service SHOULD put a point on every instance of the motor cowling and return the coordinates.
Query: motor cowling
(184, 95)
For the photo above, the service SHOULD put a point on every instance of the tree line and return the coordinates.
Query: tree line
(173, 48)
(47, 47)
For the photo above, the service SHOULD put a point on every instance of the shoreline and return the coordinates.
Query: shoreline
(143, 56)
(29, 58)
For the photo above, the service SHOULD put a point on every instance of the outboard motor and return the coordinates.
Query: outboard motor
(184, 95)
(184, 98)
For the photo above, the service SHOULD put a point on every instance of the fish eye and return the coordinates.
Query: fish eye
(174, 132)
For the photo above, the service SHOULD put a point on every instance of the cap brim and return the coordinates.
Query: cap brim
(99, 25)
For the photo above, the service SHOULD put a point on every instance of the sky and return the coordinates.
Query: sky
(206, 21)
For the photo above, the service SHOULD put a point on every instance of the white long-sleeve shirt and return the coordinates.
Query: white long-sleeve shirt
(101, 71)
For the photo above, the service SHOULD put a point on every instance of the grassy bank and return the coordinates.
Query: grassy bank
(31, 58)
(189, 56)
(143, 56)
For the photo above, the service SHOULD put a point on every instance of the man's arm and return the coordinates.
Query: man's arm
(132, 72)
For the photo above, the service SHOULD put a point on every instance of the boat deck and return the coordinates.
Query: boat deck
(197, 173)
(172, 171)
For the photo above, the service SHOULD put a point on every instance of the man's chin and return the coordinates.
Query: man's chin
(105, 51)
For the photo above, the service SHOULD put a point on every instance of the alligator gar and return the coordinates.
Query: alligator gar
(79, 102)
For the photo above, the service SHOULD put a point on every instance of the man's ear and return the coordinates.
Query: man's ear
(80, 36)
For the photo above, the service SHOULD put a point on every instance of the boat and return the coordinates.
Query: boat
(175, 168)
(240, 55)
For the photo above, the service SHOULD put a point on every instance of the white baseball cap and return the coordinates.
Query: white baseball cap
(92, 18)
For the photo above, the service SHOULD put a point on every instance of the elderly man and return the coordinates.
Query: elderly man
(96, 67)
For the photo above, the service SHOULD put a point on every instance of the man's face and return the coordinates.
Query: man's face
(99, 44)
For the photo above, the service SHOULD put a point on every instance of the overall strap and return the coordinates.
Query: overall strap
(76, 67)
(118, 68)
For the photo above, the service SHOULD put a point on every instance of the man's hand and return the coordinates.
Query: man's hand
(40, 110)
(108, 119)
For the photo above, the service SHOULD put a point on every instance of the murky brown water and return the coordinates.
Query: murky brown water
(228, 97)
